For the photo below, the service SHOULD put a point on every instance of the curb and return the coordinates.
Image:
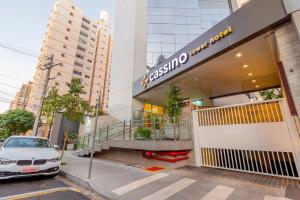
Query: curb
(83, 183)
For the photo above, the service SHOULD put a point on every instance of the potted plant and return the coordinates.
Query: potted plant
(157, 126)
(173, 110)
(142, 133)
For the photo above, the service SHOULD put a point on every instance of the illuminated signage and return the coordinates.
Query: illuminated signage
(212, 40)
(170, 66)
(183, 58)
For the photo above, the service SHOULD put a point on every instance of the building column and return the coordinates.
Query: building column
(288, 46)
(128, 57)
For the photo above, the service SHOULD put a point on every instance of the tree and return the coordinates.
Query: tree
(74, 108)
(100, 112)
(271, 94)
(51, 106)
(173, 103)
(16, 121)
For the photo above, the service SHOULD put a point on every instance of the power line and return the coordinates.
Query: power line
(18, 50)
(12, 77)
(5, 95)
(8, 93)
(7, 85)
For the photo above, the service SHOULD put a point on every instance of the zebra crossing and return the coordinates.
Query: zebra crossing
(219, 192)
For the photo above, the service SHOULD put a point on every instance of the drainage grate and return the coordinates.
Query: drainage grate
(262, 162)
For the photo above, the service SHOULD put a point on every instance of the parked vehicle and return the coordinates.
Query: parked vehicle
(22, 156)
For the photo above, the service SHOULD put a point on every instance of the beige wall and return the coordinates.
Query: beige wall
(81, 46)
(22, 97)
(129, 56)
(289, 54)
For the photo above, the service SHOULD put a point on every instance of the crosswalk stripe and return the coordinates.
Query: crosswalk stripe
(218, 193)
(170, 190)
(267, 197)
(139, 183)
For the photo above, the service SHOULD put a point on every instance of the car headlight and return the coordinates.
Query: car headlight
(54, 159)
(4, 161)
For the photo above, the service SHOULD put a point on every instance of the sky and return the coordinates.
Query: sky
(23, 25)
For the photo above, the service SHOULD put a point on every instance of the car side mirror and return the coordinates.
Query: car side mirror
(55, 146)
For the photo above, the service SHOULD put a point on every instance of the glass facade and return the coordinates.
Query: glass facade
(174, 23)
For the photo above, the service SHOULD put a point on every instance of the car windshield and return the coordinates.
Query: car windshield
(28, 143)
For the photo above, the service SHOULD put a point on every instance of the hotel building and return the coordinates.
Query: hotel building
(220, 63)
(82, 47)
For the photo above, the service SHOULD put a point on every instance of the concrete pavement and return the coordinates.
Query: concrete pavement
(118, 181)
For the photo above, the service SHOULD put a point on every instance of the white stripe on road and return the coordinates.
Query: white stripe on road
(170, 190)
(267, 197)
(139, 183)
(218, 193)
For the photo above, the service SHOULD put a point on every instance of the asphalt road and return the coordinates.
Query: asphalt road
(39, 188)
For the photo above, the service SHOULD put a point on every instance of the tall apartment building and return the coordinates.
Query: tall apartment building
(22, 97)
(83, 49)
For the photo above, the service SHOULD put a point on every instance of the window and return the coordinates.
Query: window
(79, 56)
(62, 55)
(86, 20)
(93, 39)
(81, 48)
(68, 29)
(82, 41)
(56, 83)
(64, 46)
(73, 7)
(78, 64)
(84, 34)
(66, 37)
(70, 22)
(86, 76)
(27, 143)
(77, 72)
(71, 14)
(90, 61)
(86, 28)
(94, 26)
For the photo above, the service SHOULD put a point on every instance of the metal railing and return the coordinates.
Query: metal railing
(160, 129)
(261, 112)
(261, 162)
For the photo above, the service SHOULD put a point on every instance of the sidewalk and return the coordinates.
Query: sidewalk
(121, 182)
(105, 174)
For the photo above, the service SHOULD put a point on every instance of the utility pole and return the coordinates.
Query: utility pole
(94, 136)
(47, 66)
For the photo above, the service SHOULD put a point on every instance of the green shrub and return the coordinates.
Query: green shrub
(142, 133)
(72, 137)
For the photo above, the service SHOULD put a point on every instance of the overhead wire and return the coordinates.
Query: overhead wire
(18, 50)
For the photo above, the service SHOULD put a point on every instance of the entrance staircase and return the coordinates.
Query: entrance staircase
(165, 137)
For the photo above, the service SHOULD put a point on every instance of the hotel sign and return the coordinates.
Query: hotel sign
(212, 40)
(183, 58)
(217, 40)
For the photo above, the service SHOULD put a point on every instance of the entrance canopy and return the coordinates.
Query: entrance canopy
(249, 67)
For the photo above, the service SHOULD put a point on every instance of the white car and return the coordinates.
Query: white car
(22, 156)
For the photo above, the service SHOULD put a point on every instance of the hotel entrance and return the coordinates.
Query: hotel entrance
(244, 75)
(240, 110)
